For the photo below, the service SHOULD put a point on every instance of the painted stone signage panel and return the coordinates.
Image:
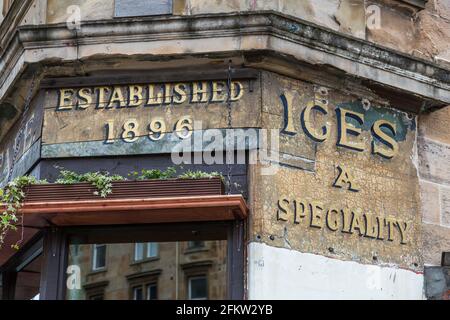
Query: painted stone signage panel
(142, 118)
(346, 184)
(357, 198)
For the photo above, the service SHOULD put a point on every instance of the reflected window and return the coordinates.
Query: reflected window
(96, 297)
(144, 251)
(192, 245)
(145, 292)
(98, 256)
(138, 293)
(152, 292)
(198, 288)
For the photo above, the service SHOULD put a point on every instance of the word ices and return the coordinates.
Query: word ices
(343, 220)
(382, 143)
(131, 96)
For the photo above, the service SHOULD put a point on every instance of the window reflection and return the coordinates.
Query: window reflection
(99, 257)
(145, 251)
(149, 270)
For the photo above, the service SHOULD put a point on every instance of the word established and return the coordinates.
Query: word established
(135, 95)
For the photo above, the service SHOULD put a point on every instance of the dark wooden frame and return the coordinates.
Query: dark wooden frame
(57, 239)
(30, 251)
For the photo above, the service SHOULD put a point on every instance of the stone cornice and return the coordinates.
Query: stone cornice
(15, 15)
(240, 33)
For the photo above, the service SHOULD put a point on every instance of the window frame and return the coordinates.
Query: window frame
(148, 246)
(196, 277)
(195, 247)
(144, 287)
(94, 257)
(26, 255)
(56, 245)
(147, 291)
(145, 252)
(138, 287)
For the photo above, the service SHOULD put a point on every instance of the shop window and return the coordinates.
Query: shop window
(98, 257)
(163, 278)
(198, 288)
(135, 8)
(144, 251)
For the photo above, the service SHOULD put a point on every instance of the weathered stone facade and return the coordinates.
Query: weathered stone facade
(358, 91)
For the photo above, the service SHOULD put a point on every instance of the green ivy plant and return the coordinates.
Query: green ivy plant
(102, 181)
(12, 197)
(13, 194)
(152, 174)
(189, 174)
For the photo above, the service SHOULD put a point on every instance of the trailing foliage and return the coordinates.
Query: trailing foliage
(11, 197)
(200, 175)
(154, 174)
(102, 181)
(13, 194)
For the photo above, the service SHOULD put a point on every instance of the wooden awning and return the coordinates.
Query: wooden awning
(124, 211)
(141, 202)
(134, 211)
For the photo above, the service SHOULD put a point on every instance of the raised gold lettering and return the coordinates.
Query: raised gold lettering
(135, 97)
(345, 128)
(316, 209)
(283, 209)
(152, 99)
(217, 91)
(236, 91)
(65, 99)
(384, 139)
(102, 100)
(199, 89)
(332, 219)
(306, 122)
(180, 94)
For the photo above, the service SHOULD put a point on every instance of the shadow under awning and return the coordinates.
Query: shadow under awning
(131, 203)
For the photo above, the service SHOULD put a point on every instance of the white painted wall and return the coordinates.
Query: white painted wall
(278, 273)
